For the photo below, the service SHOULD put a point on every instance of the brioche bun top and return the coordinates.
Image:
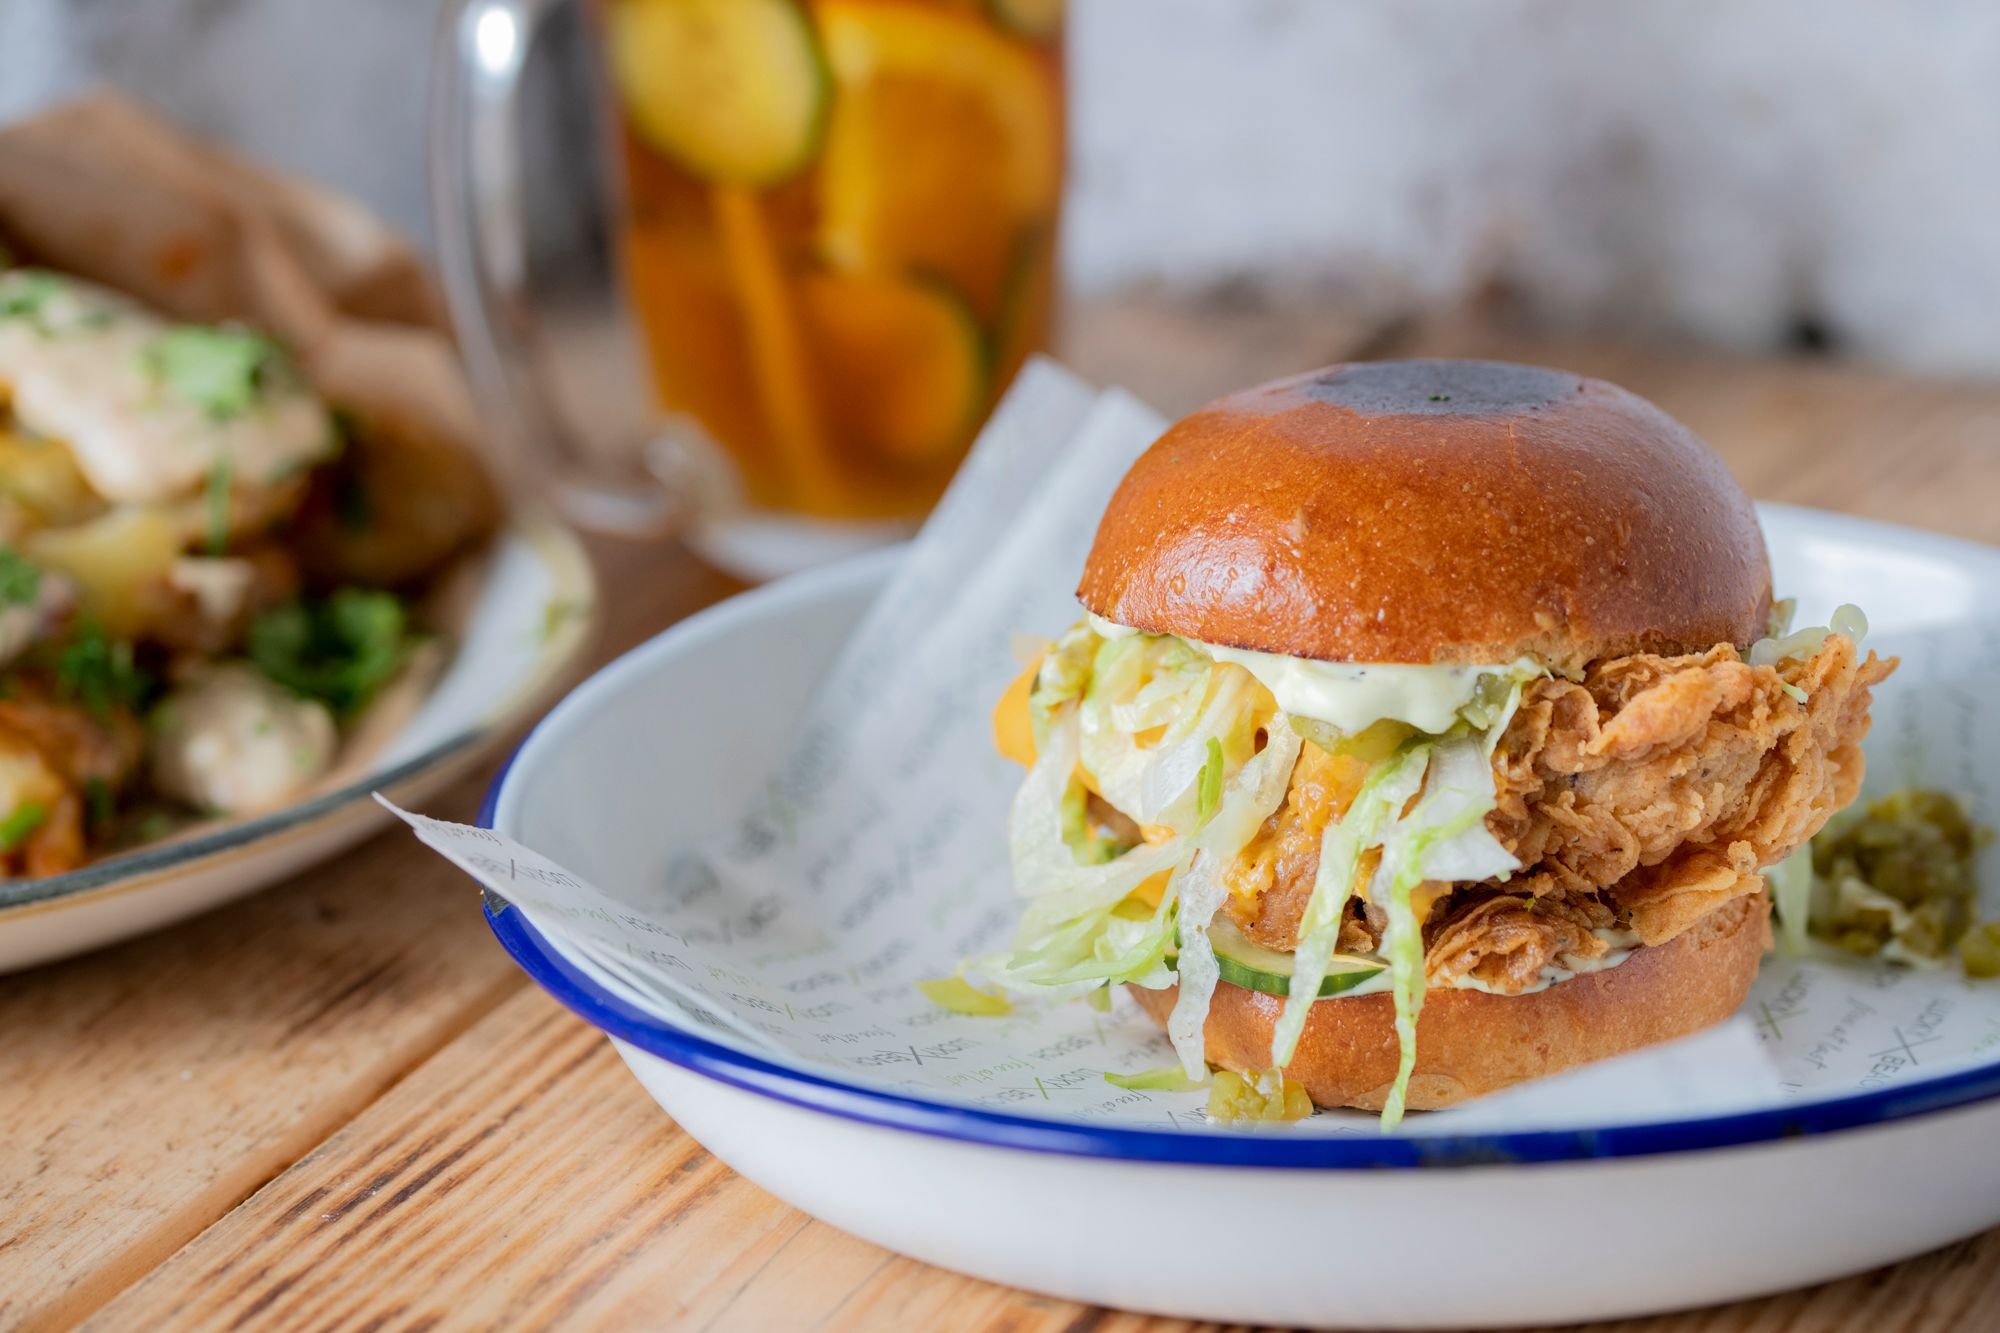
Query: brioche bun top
(1431, 512)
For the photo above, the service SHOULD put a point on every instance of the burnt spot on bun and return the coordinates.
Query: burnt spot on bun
(1437, 388)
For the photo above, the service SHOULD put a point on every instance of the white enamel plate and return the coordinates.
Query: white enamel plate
(1404, 1230)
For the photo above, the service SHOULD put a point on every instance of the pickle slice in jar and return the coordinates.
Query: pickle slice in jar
(945, 139)
(1027, 296)
(1030, 18)
(903, 365)
(735, 91)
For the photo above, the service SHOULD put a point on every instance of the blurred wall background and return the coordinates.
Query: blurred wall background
(1747, 171)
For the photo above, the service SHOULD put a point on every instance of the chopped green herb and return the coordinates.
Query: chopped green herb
(20, 578)
(1440, 397)
(1208, 793)
(220, 370)
(99, 671)
(219, 476)
(353, 508)
(339, 651)
(23, 820)
(24, 293)
(342, 429)
(99, 803)
(155, 826)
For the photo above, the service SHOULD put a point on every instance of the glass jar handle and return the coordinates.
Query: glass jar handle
(543, 327)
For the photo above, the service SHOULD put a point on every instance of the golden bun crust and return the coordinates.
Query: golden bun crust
(1470, 1043)
(1433, 511)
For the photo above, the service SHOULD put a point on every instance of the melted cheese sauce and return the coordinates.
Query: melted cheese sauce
(77, 372)
(1352, 696)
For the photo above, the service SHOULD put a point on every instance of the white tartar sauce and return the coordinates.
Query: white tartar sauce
(1351, 696)
(1623, 945)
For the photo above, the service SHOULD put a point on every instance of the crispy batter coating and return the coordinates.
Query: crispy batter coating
(1644, 795)
(1503, 940)
(1670, 782)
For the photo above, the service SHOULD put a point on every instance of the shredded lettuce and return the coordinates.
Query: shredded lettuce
(1169, 670)
(1443, 837)
(1779, 623)
(1791, 882)
(1847, 619)
(1209, 785)
(1167, 736)
(1065, 670)
(1089, 846)
(1077, 930)
(1248, 799)
(1151, 709)
(1167, 1078)
(1389, 785)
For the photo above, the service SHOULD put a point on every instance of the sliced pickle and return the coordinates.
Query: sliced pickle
(735, 91)
(1246, 963)
(1030, 18)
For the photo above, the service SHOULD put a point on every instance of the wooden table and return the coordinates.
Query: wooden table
(337, 1104)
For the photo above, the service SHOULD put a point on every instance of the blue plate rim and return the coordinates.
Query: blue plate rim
(968, 1124)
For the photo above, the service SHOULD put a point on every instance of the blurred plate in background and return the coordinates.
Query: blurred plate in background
(521, 641)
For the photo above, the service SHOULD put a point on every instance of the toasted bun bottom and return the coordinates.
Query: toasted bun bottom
(1470, 1043)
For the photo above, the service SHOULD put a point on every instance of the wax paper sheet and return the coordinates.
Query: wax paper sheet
(875, 856)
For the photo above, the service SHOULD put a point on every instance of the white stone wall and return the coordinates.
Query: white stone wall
(1730, 168)
(1727, 167)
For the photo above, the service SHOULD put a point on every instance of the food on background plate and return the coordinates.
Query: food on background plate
(207, 573)
(1430, 729)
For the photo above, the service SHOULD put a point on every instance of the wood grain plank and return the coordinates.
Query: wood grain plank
(147, 1089)
(520, 1178)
